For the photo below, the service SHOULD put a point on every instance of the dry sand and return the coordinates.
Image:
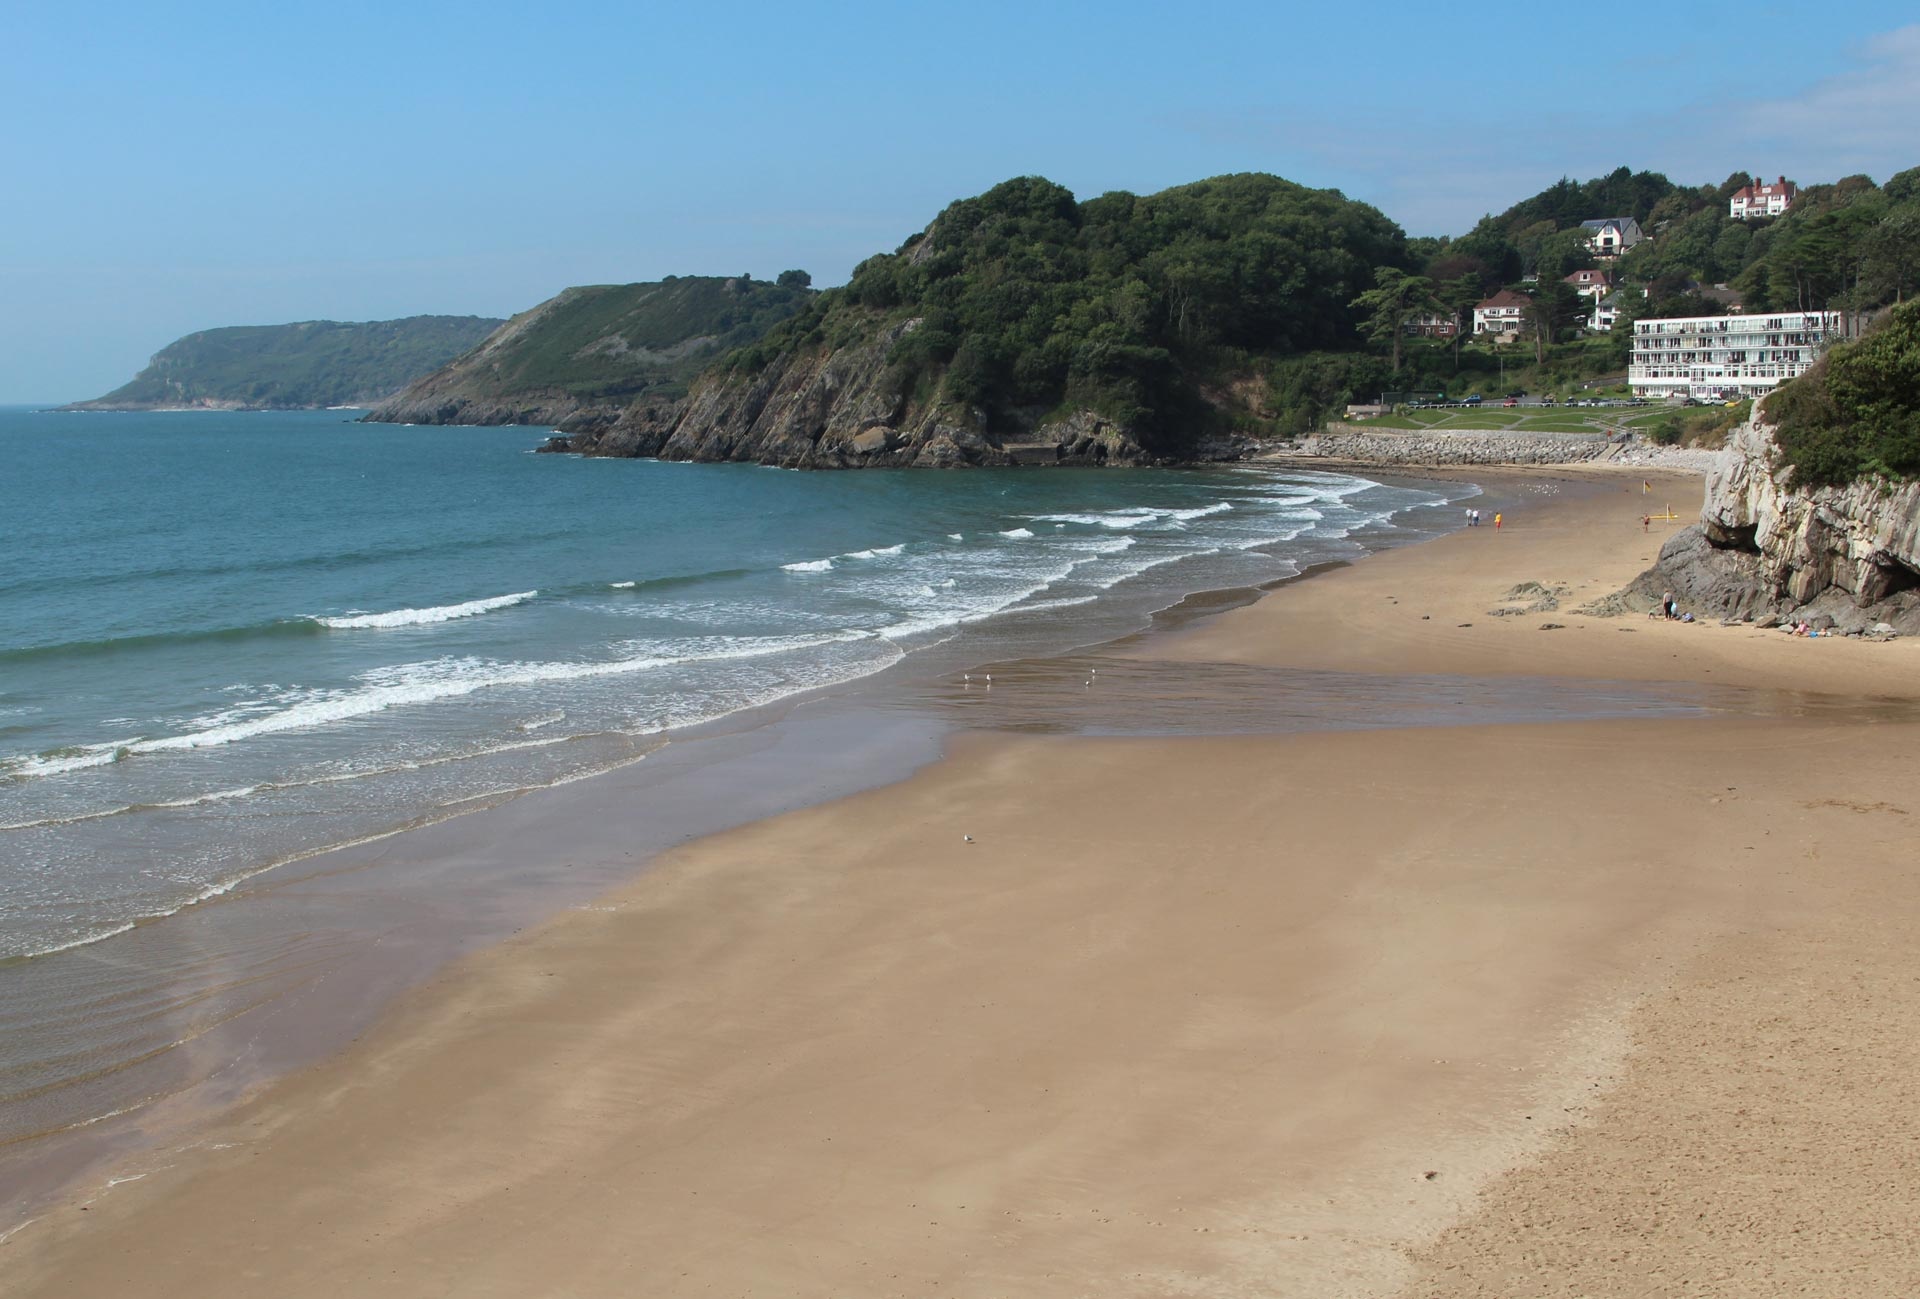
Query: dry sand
(1585, 1009)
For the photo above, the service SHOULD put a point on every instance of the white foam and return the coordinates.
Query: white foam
(440, 679)
(1137, 516)
(75, 758)
(197, 800)
(956, 536)
(875, 553)
(423, 617)
(621, 586)
(809, 566)
(1018, 533)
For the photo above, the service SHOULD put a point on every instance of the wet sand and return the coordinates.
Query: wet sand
(1565, 1007)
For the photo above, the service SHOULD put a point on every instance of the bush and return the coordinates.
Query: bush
(1857, 411)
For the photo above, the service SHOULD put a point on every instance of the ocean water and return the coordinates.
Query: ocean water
(230, 641)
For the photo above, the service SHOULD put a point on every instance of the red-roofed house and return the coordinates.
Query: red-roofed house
(1500, 314)
(1591, 284)
(1761, 200)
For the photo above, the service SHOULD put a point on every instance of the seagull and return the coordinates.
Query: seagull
(967, 838)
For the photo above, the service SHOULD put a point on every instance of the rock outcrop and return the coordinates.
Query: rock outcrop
(1841, 557)
(846, 408)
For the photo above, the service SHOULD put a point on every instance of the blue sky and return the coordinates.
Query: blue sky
(169, 167)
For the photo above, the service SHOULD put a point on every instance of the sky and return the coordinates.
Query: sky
(167, 167)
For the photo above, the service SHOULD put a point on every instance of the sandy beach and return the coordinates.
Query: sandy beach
(1569, 1008)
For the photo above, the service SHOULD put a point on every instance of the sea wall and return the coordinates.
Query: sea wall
(1429, 447)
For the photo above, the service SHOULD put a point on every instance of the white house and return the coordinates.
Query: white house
(1432, 324)
(1736, 356)
(1606, 312)
(1611, 236)
(1500, 314)
(1761, 200)
(1595, 284)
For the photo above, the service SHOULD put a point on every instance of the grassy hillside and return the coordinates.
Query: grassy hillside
(313, 363)
(606, 344)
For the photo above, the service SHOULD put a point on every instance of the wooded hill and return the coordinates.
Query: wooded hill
(1032, 303)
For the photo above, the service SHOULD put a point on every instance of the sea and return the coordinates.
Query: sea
(230, 642)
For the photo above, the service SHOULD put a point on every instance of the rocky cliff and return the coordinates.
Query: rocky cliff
(847, 407)
(1845, 557)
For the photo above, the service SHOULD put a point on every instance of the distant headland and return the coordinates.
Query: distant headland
(308, 365)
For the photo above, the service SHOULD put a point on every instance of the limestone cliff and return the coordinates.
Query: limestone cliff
(1846, 557)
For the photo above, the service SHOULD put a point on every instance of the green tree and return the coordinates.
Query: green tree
(1892, 250)
(1902, 186)
(1634, 306)
(1563, 253)
(794, 280)
(1458, 297)
(1395, 298)
(1857, 411)
(1554, 308)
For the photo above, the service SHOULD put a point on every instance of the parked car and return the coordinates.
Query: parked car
(1511, 401)
(1475, 400)
(1517, 394)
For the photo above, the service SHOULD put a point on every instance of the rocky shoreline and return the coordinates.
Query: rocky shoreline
(1464, 448)
(1840, 559)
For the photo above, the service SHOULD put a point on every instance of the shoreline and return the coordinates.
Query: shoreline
(1389, 945)
(285, 1022)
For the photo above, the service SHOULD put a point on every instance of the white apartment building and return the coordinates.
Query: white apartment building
(1734, 356)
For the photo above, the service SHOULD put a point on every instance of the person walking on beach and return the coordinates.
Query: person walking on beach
(1496, 520)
